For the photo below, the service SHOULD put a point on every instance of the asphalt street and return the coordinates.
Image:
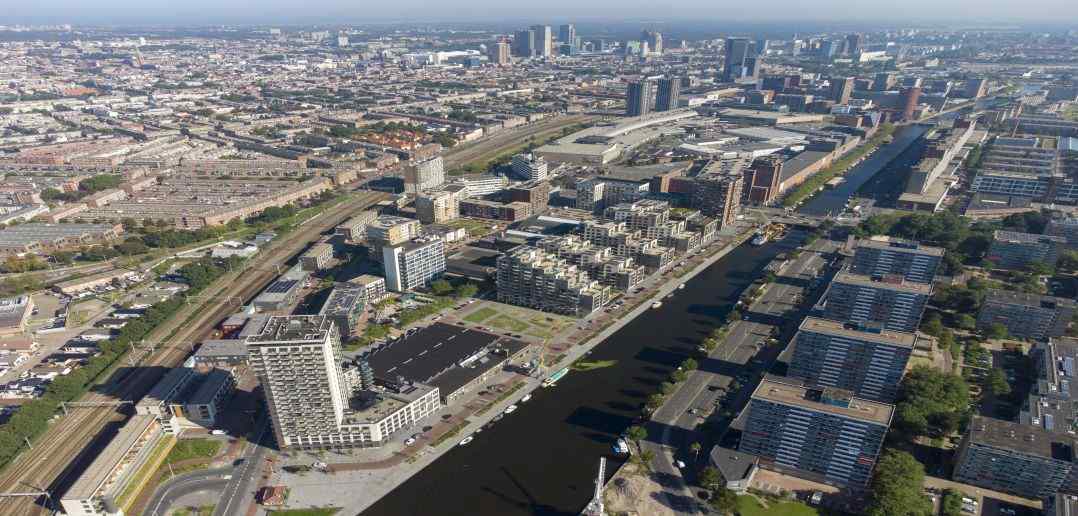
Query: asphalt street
(183, 485)
(744, 355)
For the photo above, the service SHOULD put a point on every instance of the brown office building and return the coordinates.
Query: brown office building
(761, 181)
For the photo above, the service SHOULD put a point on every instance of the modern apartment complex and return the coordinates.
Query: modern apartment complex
(424, 175)
(437, 207)
(529, 167)
(600, 262)
(867, 361)
(826, 433)
(1023, 460)
(717, 193)
(413, 264)
(884, 256)
(312, 405)
(532, 277)
(889, 302)
(1014, 250)
(1027, 316)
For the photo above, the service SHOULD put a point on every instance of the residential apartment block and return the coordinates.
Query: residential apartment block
(600, 262)
(828, 434)
(1027, 316)
(532, 277)
(413, 264)
(1013, 458)
(889, 302)
(1014, 250)
(884, 256)
(867, 361)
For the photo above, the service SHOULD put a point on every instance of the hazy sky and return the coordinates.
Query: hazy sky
(550, 11)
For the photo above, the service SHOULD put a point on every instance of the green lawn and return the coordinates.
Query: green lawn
(748, 506)
(505, 322)
(193, 449)
(205, 510)
(481, 315)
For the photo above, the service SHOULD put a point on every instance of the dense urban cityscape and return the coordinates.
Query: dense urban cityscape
(548, 267)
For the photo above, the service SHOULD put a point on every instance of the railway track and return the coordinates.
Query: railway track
(56, 456)
(499, 143)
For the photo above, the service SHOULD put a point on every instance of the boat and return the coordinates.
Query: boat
(467, 440)
(759, 239)
(555, 377)
(525, 398)
(657, 304)
(621, 447)
(681, 286)
(510, 409)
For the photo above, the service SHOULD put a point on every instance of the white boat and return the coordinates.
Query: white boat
(759, 239)
(510, 409)
(657, 304)
(525, 398)
(466, 440)
(621, 447)
(681, 286)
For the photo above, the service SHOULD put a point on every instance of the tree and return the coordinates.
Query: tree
(709, 477)
(1068, 261)
(996, 382)
(466, 290)
(926, 400)
(966, 322)
(637, 433)
(723, 500)
(667, 388)
(679, 376)
(441, 287)
(689, 364)
(932, 325)
(897, 487)
(996, 331)
(655, 401)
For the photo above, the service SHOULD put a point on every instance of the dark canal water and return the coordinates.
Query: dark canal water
(889, 162)
(542, 459)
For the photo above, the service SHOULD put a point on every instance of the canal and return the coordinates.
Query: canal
(880, 173)
(541, 460)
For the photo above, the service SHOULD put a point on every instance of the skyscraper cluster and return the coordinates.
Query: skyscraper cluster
(645, 95)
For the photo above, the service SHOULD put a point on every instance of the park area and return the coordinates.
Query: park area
(517, 320)
(749, 505)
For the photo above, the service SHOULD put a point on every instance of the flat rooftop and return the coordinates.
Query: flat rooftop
(792, 393)
(1028, 439)
(373, 406)
(828, 327)
(895, 283)
(293, 328)
(343, 301)
(421, 356)
(100, 470)
(212, 348)
(898, 244)
(208, 386)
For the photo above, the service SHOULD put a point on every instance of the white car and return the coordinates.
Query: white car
(410, 441)
(679, 464)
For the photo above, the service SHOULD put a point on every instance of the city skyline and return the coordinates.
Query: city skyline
(413, 11)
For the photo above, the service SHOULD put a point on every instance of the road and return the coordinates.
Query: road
(185, 484)
(500, 142)
(71, 442)
(743, 356)
(239, 493)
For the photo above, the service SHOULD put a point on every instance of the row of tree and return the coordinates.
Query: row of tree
(31, 419)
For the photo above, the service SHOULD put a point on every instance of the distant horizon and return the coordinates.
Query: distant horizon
(961, 13)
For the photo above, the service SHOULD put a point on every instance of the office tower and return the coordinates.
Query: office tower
(1027, 316)
(761, 46)
(887, 301)
(567, 34)
(531, 277)
(884, 81)
(298, 360)
(654, 39)
(535, 193)
(1014, 250)
(529, 167)
(761, 181)
(776, 83)
(884, 256)
(499, 53)
(424, 175)
(829, 48)
(437, 207)
(826, 432)
(413, 264)
(718, 195)
(752, 67)
(589, 194)
(342, 40)
(976, 88)
(910, 98)
(737, 51)
(638, 98)
(841, 89)
(854, 44)
(524, 43)
(865, 360)
(1022, 460)
(544, 40)
(667, 97)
